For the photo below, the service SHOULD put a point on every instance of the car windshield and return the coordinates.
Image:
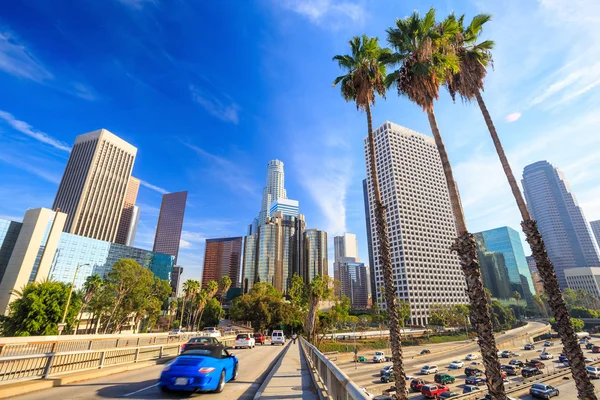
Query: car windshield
(242, 336)
(538, 386)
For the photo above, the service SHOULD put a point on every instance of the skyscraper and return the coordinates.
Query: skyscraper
(222, 257)
(93, 187)
(566, 232)
(127, 222)
(135, 219)
(352, 276)
(170, 222)
(494, 273)
(506, 241)
(369, 238)
(175, 278)
(595, 225)
(345, 246)
(286, 206)
(536, 279)
(421, 226)
(315, 254)
(274, 189)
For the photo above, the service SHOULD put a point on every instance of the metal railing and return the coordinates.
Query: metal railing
(335, 381)
(51, 360)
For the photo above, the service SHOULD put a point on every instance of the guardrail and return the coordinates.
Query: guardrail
(54, 362)
(335, 381)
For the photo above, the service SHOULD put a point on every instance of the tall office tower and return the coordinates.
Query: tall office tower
(286, 206)
(369, 239)
(273, 191)
(353, 279)
(595, 225)
(94, 184)
(315, 254)
(175, 278)
(170, 222)
(249, 262)
(506, 240)
(345, 246)
(222, 257)
(536, 279)
(135, 219)
(587, 278)
(561, 221)
(494, 272)
(127, 217)
(421, 226)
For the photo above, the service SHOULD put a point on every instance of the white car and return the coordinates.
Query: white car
(277, 337)
(429, 369)
(546, 356)
(379, 357)
(593, 372)
(211, 331)
(470, 357)
(244, 340)
(456, 364)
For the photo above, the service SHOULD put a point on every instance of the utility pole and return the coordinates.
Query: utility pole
(62, 324)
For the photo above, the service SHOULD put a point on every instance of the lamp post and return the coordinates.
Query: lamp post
(62, 324)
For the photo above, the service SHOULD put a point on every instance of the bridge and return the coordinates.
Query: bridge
(118, 367)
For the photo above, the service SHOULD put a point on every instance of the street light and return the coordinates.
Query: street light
(64, 317)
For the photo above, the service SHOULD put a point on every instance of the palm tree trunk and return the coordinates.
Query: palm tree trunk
(538, 250)
(466, 248)
(182, 312)
(386, 264)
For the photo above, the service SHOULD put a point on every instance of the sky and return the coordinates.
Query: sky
(209, 92)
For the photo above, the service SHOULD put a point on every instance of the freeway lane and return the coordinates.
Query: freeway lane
(141, 384)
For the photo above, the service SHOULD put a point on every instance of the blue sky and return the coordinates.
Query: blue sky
(209, 92)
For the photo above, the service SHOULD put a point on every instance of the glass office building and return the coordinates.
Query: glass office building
(494, 273)
(9, 232)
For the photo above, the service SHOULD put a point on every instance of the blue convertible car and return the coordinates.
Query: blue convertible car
(205, 369)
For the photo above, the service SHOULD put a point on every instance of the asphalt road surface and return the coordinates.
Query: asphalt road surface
(142, 383)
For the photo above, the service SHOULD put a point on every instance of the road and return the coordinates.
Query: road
(142, 383)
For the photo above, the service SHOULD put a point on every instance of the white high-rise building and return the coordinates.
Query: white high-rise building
(345, 246)
(421, 225)
(273, 191)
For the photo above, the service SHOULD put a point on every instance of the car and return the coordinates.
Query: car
(593, 372)
(516, 354)
(470, 357)
(512, 370)
(595, 349)
(469, 371)
(379, 357)
(211, 331)
(475, 381)
(259, 338)
(429, 369)
(244, 340)
(177, 332)
(563, 359)
(425, 351)
(530, 371)
(503, 366)
(583, 341)
(202, 369)
(506, 354)
(366, 392)
(386, 370)
(535, 364)
(417, 383)
(471, 389)
(516, 362)
(546, 356)
(433, 390)
(543, 391)
(447, 395)
(529, 346)
(589, 345)
(388, 377)
(456, 364)
(277, 337)
(443, 379)
(548, 343)
(198, 342)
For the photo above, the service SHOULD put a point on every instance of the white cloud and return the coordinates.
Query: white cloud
(153, 187)
(215, 106)
(28, 130)
(329, 13)
(512, 117)
(184, 244)
(30, 167)
(16, 60)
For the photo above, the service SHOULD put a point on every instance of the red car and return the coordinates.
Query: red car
(417, 384)
(433, 390)
(259, 338)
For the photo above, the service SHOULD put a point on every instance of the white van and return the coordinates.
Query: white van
(277, 337)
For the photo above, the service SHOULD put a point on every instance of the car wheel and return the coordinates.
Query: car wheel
(235, 372)
(164, 389)
(221, 384)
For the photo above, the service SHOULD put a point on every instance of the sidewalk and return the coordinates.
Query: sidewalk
(292, 378)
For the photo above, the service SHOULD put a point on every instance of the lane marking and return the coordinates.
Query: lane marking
(141, 390)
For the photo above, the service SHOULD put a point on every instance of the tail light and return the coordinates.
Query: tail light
(182, 347)
(206, 370)
(247, 338)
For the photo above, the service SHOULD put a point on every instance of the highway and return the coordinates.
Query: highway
(142, 383)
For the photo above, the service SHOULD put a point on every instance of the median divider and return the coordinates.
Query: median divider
(274, 369)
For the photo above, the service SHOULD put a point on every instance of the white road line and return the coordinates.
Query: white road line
(141, 390)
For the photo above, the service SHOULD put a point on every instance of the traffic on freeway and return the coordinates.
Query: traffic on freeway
(254, 362)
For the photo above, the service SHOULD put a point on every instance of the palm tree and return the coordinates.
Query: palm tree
(173, 305)
(224, 285)
(90, 287)
(420, 47)
(200, 301)
(365, 76)
(190, 288)
(474, 58)
(517, 297)
(211, 289)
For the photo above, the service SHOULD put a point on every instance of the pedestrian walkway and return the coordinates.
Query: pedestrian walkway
(291, 379)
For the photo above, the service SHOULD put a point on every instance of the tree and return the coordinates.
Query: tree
(318, 290)
(173, 306)
(467, 81)
(540, 305)
(576, 324)
(190, 288)
(517, 297)
(224, 285)
(403, 313)
(582, 312)
(426, 61)
(39, 308)
(365, 76)
(92, 284)
(213, 313)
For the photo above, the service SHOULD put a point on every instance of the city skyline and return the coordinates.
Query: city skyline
(177, 127)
